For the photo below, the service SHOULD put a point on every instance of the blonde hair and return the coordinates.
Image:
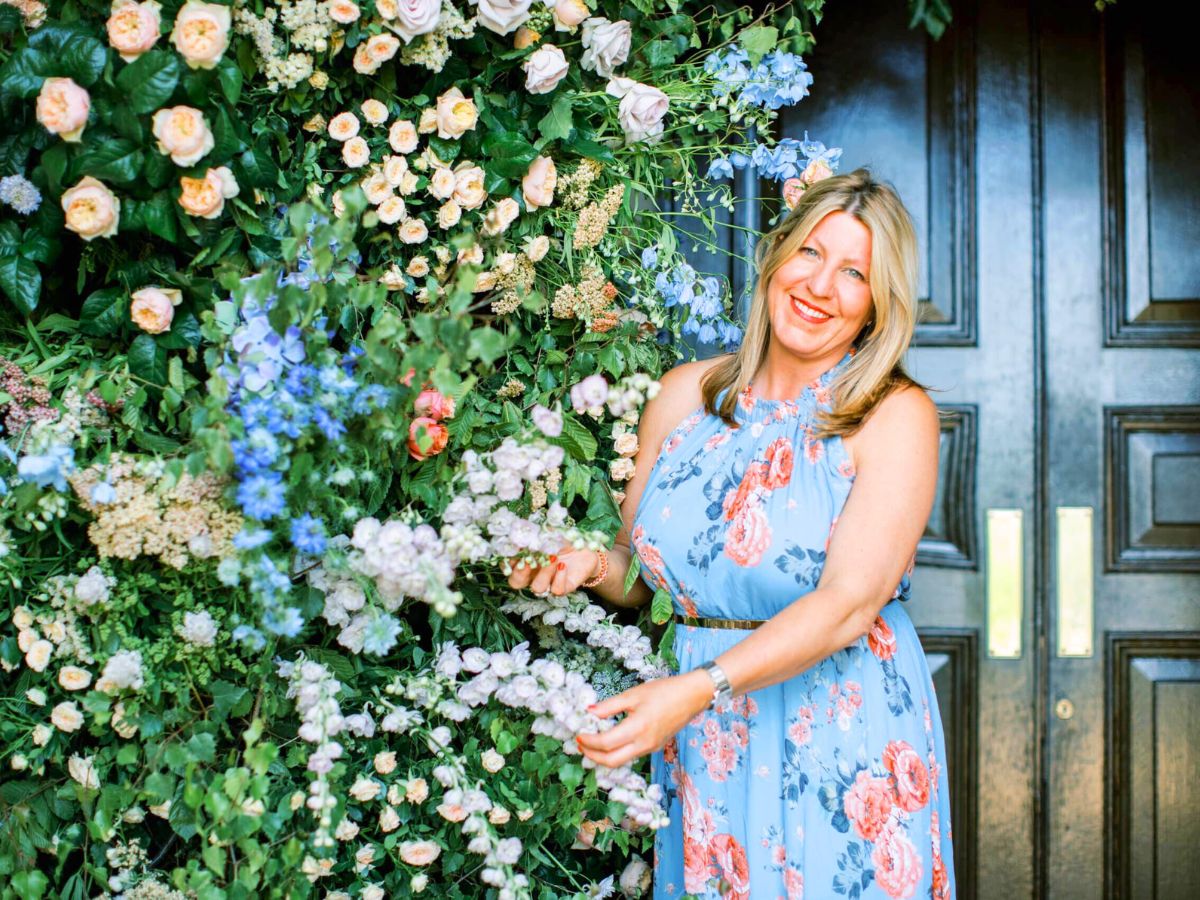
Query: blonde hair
(875, 369)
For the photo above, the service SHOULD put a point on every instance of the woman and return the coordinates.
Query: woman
(782, 515)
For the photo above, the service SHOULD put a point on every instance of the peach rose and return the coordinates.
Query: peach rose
(419, 853)
(456, 114)
(498, 815)
(416, 790)
(434, 404)
(363, 64)
(452, 812)
(403, 136)
(816, 170)
(500, 216)
(537, 248)
(436, 437)
(182, 134)
(153, 308)
(377, 188)
(25, 639)
(382, 47)
(343, 126)
(392, 210)
(414, 231)
(91, 209)
(469, 192)
(62, 107)
(525, 37)
(344, 12)
(205, 197)
(449, 214)
(37, 657)
(66, 717)
(133, 28)
(544, 69)
(418, 266)
(201, 33)
(569, 14)
(375, 112)
(356, 153)
(537, 187)
(385, 762)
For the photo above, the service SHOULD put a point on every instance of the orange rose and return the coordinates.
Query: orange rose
(205, 197)
(434, 438)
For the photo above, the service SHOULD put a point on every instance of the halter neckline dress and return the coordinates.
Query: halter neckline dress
(832, 783)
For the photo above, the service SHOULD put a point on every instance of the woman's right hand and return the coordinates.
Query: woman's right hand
(564, 573)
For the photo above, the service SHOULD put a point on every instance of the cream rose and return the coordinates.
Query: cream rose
(385, 762)
(502, 16)
(394, 170)
(442, 182)
(499, 815)
(392, 210)
(389, 820)
(418, 266)
(492, 761)
(449, 214)
(37, 657)
(419, 853)
(382, 47)
(544, 69)
(205, 197)
(182, 134)
(133, 28)
(73, 678)
(452, 812)
(356, 153)
(569, 14)
(413, 18)
(537, 187)
(41, 735)
(363, 64)
(621, 469)
(470, 256)
(416, 790)
(500, 216)
(393, 280)
(408, 184)
(605, 45)
(456, 114)
(344, 12)
(153, 308)
(66, 717)
(537, 248)
(201, 33)
(25, 639)
(469, 192)
(375, 112)
(428, 122)
(343, 126)
(22, 617)
(36, 696)
(626, 443)
(414, 231)
(83, 770)
(91, 209)
(387, 8)
(365, 789)
(485, 282)
(120, 724)
(62, 107)
(377, 188)
(641, 111)
(402, 136)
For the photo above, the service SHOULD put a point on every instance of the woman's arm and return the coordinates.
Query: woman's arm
(876, 534)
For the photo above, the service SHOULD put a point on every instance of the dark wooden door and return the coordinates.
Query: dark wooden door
(1049, 155)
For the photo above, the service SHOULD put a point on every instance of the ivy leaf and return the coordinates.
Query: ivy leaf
(147, 360)
(557, 123)
(21, 281)
(104, 312)
(149, 81)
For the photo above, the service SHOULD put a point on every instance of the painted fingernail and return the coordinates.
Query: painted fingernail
(553, 558)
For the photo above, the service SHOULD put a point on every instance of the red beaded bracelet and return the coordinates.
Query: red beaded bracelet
(598, 579)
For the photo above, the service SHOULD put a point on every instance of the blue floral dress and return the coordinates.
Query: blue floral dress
(833, 782)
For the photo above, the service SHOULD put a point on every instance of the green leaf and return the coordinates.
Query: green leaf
(113, 161)
(259, 169)
(21, 281)
(158, 170)
(510, 156)
(202, 748)
(576, 439)
(225, 697)
(10, 238)
(39, 248)
(661, 53)
(184, 333)
(157, 215)
(230, 77)
(635, 568)
(557, 123)
(30, 884)
(23, 74)
(570, 774)
(150, 80)
(487, 344)
(10, 19)
(147, 360)
(104, 312)
(758, 42)
(54, 165)
(73, 52)
(660, 607)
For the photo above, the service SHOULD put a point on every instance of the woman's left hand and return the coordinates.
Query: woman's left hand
(656, 711)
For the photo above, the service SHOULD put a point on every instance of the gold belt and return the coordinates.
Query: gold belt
(704, 622)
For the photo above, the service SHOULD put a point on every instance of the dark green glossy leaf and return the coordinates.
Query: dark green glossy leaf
(149, 81)
(21, 281)
(72, 51)
(104, 312)
(113, 161)
(147, 360)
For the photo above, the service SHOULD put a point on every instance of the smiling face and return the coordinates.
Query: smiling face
(820, 299)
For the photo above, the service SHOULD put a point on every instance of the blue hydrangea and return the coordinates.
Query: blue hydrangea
(49, 469)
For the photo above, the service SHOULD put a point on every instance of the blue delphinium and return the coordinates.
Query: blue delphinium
(48, 469)
(308, 534)
(701, 297)
(262, 496)
(788, 158)
(779, 79)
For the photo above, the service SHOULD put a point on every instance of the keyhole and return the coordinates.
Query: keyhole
(1064, 708)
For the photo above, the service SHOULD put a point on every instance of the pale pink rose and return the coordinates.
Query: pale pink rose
(456, 114)
(434, 404)
(201, 33)
(375, 112)
(537, 187)
(544, 69)
(897, 865)
(449, 214)
(133, 28)
(344, 12)
(392, 210)
(748, 536)
(205, 197)
(605, 45)
(343, 126)
(502, 16)
(868, 804)
(153, 308)
(641, 110)
(403, 136)
(909, 775)
(91, 209)
(469, 192)
(500, 216)
(419, 853)
(415, 17)
(356, 153)
(182, 134)
(382, 47)
(569, 14)
(525, 37)
(62, 107)
(413, 231)
(437, 434)
(442, 182)
(793, 190)
(816, 170)
(451, 812)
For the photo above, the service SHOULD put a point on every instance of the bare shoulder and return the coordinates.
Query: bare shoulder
(679, 395)
(906, 417)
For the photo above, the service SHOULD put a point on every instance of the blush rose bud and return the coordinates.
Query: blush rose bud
(428, 432)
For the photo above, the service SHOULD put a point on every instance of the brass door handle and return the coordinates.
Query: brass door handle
(1073, 536)
(1005, 582)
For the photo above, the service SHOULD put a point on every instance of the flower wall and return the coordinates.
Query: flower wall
(316, 317)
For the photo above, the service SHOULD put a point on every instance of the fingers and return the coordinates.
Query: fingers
(613, 739)
(615, 758)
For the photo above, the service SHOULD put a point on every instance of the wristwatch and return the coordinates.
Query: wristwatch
(722, 689)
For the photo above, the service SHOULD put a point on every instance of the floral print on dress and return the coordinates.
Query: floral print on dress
(832, 783)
